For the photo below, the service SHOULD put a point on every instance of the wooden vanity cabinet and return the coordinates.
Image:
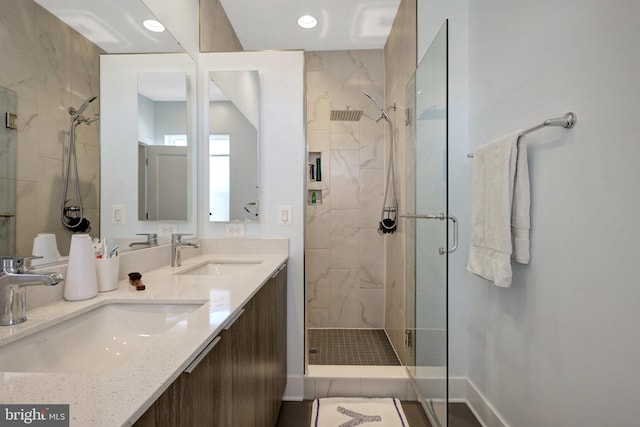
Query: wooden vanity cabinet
(240, 382)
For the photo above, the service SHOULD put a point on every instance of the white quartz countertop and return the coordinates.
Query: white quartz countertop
(120, 395)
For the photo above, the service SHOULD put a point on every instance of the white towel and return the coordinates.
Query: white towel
(520, 207)
(499, 209)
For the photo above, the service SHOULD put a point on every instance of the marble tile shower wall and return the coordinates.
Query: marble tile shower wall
(400, 64)
(216, 32)
(50, 67)
(345, 266)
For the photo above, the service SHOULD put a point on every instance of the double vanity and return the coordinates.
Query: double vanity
(204, 341)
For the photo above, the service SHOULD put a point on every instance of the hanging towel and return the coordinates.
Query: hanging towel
(499, 209)
(521, 207)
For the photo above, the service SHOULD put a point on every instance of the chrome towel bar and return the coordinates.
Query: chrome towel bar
(567, 121)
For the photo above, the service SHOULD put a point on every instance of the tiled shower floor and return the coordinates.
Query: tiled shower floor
(350, 347)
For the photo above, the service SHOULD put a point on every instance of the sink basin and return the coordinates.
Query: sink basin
(95, 341)
(218, 267)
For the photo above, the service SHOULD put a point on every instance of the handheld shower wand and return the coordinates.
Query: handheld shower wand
(76, 113)
(383, 112)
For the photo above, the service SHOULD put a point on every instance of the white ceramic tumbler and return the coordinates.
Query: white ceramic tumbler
(81, 281)
(107, 269)
(44, 245)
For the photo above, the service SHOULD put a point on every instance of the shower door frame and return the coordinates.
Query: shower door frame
(431, 400)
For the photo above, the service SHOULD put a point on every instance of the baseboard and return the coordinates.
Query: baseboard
(463, 390)
(294, 391)
(482, 408)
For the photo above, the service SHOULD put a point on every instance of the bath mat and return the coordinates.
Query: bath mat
(357, 411)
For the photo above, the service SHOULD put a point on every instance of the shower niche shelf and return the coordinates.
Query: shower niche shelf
(314, 197)
(314, 167)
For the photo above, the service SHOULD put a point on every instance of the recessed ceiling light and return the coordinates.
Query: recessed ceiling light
(307, 21)
(153, 25)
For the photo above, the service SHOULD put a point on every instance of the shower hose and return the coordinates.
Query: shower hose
(389, 215)
(73, 216)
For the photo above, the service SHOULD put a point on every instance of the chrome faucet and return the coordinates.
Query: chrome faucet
(176, 245)
(14, 278)
(152, 240)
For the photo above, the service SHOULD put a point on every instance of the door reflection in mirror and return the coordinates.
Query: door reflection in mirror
(162, 146)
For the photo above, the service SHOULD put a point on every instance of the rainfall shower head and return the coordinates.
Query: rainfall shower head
(348, 115)
(351, 115)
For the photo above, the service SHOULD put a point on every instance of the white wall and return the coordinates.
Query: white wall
(560, 347)
(119, 137)
(431, 15)
(282, 173)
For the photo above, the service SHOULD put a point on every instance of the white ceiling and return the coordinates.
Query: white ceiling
(115, 25)
(342, 24)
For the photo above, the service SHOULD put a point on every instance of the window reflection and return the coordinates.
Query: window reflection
(219, 182)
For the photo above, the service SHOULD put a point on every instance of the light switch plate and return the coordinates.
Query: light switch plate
(118, 214)
(284, 215)
(234, 231)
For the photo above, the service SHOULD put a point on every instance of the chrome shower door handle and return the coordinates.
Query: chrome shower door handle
(454, 246)
(440, 216)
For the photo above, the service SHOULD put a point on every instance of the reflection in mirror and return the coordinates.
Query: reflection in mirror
(162, 146)
(234, 103)
(51, 68)
(122, 80)
(8, 140)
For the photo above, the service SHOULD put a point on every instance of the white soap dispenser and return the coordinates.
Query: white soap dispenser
(81, 281)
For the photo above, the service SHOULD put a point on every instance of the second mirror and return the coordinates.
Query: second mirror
(234, 116)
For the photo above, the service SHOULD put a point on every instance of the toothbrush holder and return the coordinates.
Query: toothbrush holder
(108, 270)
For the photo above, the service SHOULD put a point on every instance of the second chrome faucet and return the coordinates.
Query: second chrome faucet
(176, 245)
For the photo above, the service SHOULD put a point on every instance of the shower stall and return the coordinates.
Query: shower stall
(344, 252)
(336, 287)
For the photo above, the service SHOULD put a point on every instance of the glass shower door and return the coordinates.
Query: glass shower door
(427, 224)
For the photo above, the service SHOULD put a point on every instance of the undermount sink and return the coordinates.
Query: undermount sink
(220, 267)
(96, 341)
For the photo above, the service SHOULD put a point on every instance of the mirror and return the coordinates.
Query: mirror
(8, 140)
(162, 146)
(52, 68)
(234, 124)
(159, 197)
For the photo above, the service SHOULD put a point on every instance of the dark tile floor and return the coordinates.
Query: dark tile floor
(350, 347)
(298, 414)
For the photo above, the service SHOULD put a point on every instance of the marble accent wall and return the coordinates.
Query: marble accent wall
(216, 32)
(50, 67)
(400, 64)
(344, 254)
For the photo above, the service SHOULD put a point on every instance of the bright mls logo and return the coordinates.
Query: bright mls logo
(34, 415)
